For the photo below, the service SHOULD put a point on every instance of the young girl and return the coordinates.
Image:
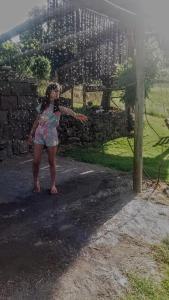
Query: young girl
(44, 132)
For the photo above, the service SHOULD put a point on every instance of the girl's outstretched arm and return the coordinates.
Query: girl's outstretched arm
(68, 111)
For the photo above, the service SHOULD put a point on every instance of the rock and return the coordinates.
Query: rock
(74, 140)
(23, 147)
(39, 243)
(3, 155)
(3, 144)
(9, 149)
(18, 100)
(166, 191)
(8, 102)
(3, 117)
(15, 147)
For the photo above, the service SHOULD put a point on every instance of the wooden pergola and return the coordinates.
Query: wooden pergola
(130, 15)
(133, 20)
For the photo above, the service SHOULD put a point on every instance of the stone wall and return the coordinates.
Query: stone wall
(18, 99)
(17, 112)
(101, 127)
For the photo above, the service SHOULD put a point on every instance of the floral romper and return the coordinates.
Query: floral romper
(46, 132)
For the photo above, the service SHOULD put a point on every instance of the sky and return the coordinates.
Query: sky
(14, 12)
(157, 12)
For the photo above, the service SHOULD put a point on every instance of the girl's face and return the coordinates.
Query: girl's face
(54, 94)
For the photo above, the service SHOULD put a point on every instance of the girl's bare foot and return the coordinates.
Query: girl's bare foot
(36, 188)
(53, 190)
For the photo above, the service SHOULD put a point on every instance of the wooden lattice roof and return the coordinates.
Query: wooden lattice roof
(154, 14)
(133, 14)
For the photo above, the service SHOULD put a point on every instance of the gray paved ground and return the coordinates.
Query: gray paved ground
(76, 245)
(16, 176)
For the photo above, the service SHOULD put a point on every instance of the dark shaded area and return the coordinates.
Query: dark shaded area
(42, 235)
(162, 141)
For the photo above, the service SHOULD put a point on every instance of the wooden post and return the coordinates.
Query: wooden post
(72, 96)
(84, 96)
(139, 108)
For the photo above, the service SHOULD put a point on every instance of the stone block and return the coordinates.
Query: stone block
(27, 102)
(17, 132)
(7, 131)
(23, 147)
(3, 144)
(1, 131)
(9, 149)
(3, 117)
(5, 88)
(15, 147)
(23, 89)
(8, 103)
(3, 155)
(19, 116)
(74, 140)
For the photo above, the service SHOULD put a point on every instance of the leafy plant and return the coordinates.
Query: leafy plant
(127, 73)
(40, 67)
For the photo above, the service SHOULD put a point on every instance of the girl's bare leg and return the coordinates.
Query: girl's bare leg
(52, 163)
(36, 164)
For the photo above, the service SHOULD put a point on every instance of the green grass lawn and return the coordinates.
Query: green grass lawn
(147, 288)
(158, 102)
(118, 154)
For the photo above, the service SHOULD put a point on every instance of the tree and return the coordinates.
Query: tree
(8, 50)
(107, 82)
(36, 67)
(41, 67)
(127, 82)
(127, 73)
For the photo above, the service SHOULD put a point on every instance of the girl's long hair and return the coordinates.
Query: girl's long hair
(46, 100)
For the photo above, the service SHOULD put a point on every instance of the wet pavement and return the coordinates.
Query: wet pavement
(74, 245)
(42, 234)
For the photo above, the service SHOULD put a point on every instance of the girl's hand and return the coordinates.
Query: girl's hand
(30, 140)
(81, 117)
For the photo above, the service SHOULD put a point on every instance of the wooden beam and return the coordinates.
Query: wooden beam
(32, 22)
(64, 41)
(126, 17)
(89, 88)
(139, 109)
(79, 56)
(106, 7)
(72, 97)
(84, 96)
